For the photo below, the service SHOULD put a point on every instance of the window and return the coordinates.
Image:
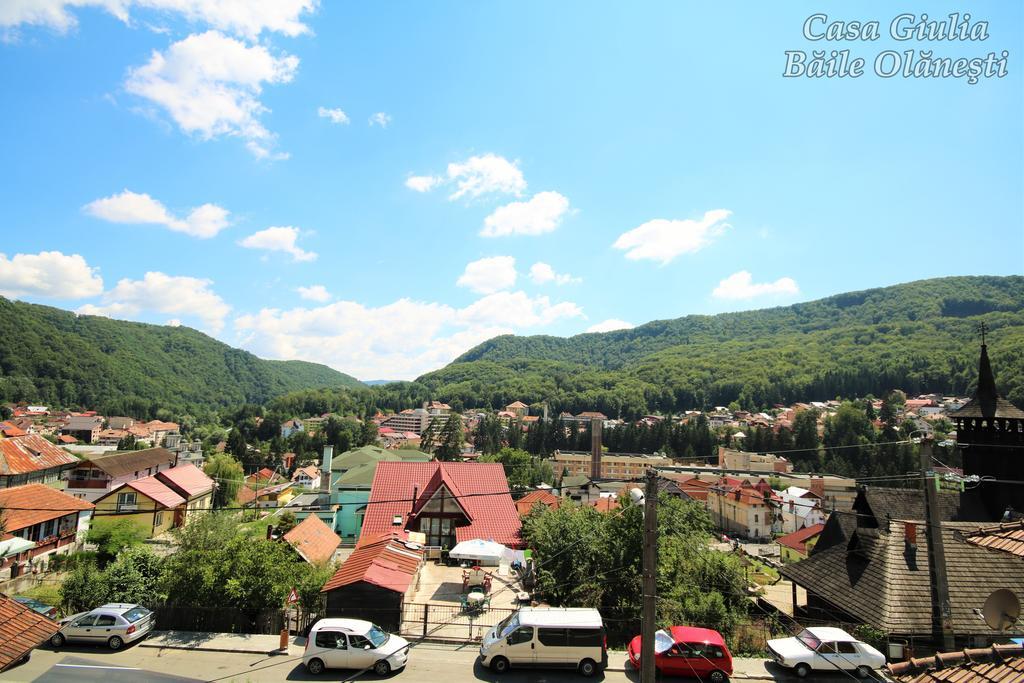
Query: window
(552, 637)
(523, 635)
(87, 620)
(105, 620)
(331, 639)
(126, 498)
(846, 648)
(755, 518)
(158, 518)
(827, 649)
(135, 613)
(360, 642)
(585, 637)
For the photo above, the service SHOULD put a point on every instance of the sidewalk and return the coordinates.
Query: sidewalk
(223, 642)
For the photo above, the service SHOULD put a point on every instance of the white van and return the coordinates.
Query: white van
(353, 644)
(549, 637)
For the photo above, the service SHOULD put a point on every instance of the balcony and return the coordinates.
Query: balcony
(88, 483)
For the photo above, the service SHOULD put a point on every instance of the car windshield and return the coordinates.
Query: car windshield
(662, 641)
(376, 636)
(808, 639)
(135, 613)
(506, 627)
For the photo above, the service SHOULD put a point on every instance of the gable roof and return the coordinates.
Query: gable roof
(482, 486)
(119, 463)
(21, 630)
(310, 471)
(152, 488)
(23, 506)
(1003, 663)
(525, 504)
(440, 482)
(313, 540)
(31, 453)
(381, 560)
(186, 480)
(605, 504)
(798, 539)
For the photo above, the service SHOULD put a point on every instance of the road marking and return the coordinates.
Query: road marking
(97, 666)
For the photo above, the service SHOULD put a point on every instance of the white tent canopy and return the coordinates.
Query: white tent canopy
(484, 552)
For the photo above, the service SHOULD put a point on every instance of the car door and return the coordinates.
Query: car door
(81, 628)
(551, 647)
(360, 652)
(332, 648)
(696, 660)
(520, 648)
(106, 626)
(849, 656)
(827, 658)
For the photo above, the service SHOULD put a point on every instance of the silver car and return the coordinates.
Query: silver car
(113, 625)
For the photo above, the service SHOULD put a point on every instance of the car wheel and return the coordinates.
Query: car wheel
(588, 668)
(499, 665)
(115, 642)
(718, 677)
(863, 671)
(802, 670)
(382, 668)
(57, 640)
(315, 667)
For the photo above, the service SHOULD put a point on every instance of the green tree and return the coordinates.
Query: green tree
(522, 469)
(84, 589)
(126, 443)
(133, 576)
(228, 475)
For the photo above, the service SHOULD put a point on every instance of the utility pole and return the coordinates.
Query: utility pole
(650, 577)
(941, 616)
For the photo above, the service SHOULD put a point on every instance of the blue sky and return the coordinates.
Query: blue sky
(379, 187)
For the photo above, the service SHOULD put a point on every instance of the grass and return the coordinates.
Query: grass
(47, 592)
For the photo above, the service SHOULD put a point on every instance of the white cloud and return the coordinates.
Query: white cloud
(423, 183)
(314, 293)
(246, 18)
(278, 238)
(489, 275)
(741, 286)
(380, 119)
(131, 207)
(542, 273)
(161, 293)
(48, 274)
(335, 115)
(403, 339)
(541, 214)
(662, 239)
(610, 325)
(173, 322)
(209, 84)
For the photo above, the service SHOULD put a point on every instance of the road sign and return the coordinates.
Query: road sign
(293, 597)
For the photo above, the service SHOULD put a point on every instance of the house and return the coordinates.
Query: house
(741, 508)
(996, 663)
(438, 409)
(289, 427)
(192, 484)
(578, 488)
(148, 503)
(266, 495)
(307, 477)
(264, 477)
(100, 474)
(518, 408)
(160, 430)
(54, 521)
(729, 459)
(541, 498)
(8, 429)
(31, 459)
(22, 629)
(800, 508)
(447, 502)
(375, 582)
(313, 540)
(84, 428)
(797, 545)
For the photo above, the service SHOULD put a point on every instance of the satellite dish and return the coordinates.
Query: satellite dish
(1002, 608)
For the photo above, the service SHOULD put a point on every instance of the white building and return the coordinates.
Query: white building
(800, 508)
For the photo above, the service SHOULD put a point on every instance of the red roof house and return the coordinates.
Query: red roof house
(448, 502)
(313, 540)
(800, 541)
(540, 497)
(31, 459)
(21, 630)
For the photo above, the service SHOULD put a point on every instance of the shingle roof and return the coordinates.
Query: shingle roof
(119, 463)
(21, 630)
(31, 453)
(313, 540)
(154, 489)
(798, 539)
(493, 515)
(879, 580)
(1008, 537)
(186, 480)
(1003, 663)
(381, 560)
(23, 506)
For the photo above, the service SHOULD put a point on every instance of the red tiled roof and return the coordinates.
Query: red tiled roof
(186, 480)
(30, 504)
(526, 503)
(1008, 538)
(310, 471)
(381, 560)
(9, 430)
(606, 504)
(154, 489)
(313, 540)
(1003, 663)
(21, 630)
(31, 453)
(798, 539)
(493, 516)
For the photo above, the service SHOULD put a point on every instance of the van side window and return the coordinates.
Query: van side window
(590, 637)
(552, 637)
(523, 635)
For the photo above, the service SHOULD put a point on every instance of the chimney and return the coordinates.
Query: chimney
(325, 469)
(415, 495)
(910, 534)
(596, 424)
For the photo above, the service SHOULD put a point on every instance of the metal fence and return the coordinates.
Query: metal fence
(449, 622)
(217, 620)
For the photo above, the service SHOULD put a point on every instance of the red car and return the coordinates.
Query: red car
(688, 651)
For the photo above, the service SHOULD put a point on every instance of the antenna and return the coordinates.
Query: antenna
(1002, 608)
(982, 329)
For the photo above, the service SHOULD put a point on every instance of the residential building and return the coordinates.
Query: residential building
(185, 452)
(729, 459)
(741, 508)
(192, 484)
(160, 430)
(31, 459)
(797, 545)
(23, 629)
(518, 408)
(52, 520)
(415, 420)
(266, 495)
(83, 428)
(148, 503)
(438, 409)
(100, 474)
(799, 508)
(613, 465)
(540, 498)
(307, 477)
(289, 427)
(313, 540)
(836, 493)
(448, 502)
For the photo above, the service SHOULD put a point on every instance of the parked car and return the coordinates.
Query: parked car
(825, 649)
(687, 651)
(353, 644)
(547, 637)
(46, 610)
(114, 624)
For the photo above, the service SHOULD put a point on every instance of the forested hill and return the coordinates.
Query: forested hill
(919, 336)
(55, 357)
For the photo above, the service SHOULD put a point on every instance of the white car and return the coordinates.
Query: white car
(113, 624)
(353, 644)
(825, 649)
